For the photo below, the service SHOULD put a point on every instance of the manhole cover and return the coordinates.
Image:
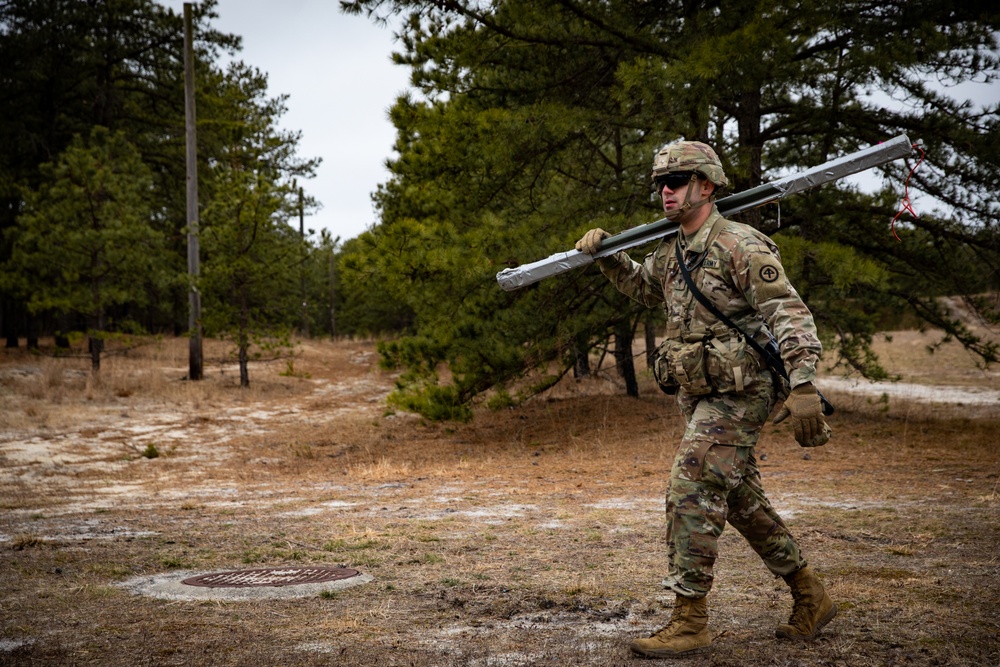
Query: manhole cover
(271, 576)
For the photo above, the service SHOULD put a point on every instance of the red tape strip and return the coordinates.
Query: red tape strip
(907, 205)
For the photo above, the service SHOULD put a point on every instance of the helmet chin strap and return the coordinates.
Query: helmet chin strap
(687, 205)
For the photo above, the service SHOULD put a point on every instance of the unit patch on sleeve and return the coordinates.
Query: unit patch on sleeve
(767, 278)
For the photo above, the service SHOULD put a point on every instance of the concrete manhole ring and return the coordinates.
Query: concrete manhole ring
(253, 584)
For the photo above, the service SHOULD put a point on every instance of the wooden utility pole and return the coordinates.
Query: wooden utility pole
(333, 255)
(195, 363)
(302, 266)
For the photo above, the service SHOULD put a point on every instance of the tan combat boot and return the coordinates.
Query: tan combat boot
(813, 607)
(686, 633)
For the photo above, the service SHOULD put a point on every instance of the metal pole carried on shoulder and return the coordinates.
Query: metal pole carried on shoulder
(853, 163)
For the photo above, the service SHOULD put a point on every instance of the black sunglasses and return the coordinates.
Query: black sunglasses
(674, 180)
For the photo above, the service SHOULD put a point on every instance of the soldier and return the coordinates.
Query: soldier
(725, 392)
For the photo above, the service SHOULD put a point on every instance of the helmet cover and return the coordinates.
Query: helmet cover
(690, 156)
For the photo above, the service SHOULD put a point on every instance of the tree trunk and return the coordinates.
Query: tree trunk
(97, 321)
(748, 127)
(243, 338)
(62, 337)
(581, 354)
(32, 332)
(649, 328)
(244, 365)
(96, 346)
(623, 358)
(8, 324)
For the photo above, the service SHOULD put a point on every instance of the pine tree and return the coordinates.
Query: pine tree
(252, 256)
(539, 120)
(86, 243)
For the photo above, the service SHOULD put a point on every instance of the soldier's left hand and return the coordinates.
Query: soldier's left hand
(804, 409)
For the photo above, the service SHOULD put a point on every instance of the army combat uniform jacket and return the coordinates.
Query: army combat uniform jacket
(739, 270)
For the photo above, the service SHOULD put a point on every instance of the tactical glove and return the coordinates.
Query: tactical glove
(804, 408)
(591, 241)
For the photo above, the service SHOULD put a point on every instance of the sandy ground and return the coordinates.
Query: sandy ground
(529, 536)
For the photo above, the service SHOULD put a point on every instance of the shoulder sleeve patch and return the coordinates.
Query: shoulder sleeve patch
(767, 277)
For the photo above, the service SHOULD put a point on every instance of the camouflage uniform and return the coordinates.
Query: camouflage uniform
(715, 478)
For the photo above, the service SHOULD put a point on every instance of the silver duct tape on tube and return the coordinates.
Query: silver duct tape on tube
(853, 163)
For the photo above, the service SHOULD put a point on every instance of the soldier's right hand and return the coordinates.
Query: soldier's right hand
(591, 241)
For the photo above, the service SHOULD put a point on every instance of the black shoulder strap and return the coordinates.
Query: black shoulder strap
(770, 355)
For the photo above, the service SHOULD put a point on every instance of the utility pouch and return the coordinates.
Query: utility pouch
(732, 365)
(661, 371)
(686, 365)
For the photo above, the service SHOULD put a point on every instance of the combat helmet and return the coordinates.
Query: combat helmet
(690, 156)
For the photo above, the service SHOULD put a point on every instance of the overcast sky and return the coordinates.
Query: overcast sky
(341, 82)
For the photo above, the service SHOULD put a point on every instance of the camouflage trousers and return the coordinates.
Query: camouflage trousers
(715, 479)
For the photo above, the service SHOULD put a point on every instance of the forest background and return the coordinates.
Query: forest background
(528, 123)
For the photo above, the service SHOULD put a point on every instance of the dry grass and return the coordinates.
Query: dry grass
(530, 536)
